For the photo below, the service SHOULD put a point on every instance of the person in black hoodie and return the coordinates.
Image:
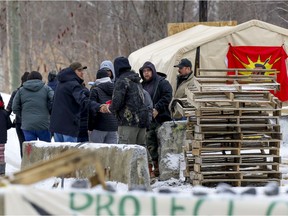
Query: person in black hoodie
(5, 124)
(103, 126)
(69, 99)
(160, 91)
(127, 100)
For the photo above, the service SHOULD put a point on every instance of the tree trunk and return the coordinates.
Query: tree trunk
(203, 11)
(13, 38)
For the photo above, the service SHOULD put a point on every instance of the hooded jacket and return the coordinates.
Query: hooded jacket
(101, 93)
(126, 100)
(69, 98)
(161, 93)
(33, 103)
(109, 65)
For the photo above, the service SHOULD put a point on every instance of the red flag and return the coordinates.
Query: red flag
(250, 57)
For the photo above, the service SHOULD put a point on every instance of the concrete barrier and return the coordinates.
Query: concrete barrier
(172, 138)
(127, 163)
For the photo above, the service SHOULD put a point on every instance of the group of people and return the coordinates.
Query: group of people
(118, 108)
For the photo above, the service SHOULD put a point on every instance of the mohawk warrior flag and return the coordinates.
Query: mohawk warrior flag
(251, 57)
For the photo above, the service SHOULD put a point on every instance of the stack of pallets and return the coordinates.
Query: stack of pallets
(234, 135)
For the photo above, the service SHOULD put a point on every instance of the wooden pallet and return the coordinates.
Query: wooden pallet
(234, 72)
(235, 130)
(236, 178)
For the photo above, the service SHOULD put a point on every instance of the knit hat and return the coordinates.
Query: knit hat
(101, 73)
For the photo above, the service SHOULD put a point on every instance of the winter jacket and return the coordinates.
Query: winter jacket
(160, 91)
(33, 103)
(126, 100)
(182, 83)
(69, 98)
(101, 93)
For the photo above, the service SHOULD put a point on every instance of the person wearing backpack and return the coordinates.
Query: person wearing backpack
(128, 104)
(160, 91)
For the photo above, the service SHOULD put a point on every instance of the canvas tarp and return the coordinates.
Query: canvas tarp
(213, 43)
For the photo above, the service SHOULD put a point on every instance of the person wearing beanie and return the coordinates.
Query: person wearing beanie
(108, 66)
(5, 124)
(103, 126)
(128, 104)
(33, 102)
(17, 120)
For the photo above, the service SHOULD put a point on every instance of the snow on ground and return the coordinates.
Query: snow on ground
(13, 164)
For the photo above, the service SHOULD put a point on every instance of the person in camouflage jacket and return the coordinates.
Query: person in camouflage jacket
(126, 102)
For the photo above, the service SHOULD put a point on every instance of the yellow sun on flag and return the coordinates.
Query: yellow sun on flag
(258, 64)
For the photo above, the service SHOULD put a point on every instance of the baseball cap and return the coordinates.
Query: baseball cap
(184, 63)
(77, 65)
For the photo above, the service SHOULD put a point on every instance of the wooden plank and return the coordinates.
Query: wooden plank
(66, 162)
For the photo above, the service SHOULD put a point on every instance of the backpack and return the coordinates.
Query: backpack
(145, 111)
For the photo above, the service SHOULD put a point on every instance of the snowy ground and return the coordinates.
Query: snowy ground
(13, 161)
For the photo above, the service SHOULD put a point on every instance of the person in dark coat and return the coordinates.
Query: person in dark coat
(160, 91)
(69, 99)
(33, 102)
(17, 120)
(52, 80)
(5, 124)
(126, 103)
(103, 126)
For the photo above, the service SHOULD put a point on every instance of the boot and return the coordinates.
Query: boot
(151, 173)
(2, 169)
(156, 168)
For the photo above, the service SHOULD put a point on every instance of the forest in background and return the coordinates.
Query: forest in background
(49, 35)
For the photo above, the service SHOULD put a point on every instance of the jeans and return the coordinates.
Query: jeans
(64, 138)
(43, 135)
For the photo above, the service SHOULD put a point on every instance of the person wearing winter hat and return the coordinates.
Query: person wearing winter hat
(127, 101)
(17, 120)
(108, 66)
(103, 125)
(5, 124)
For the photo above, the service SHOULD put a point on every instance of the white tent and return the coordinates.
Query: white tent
(213, 43)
